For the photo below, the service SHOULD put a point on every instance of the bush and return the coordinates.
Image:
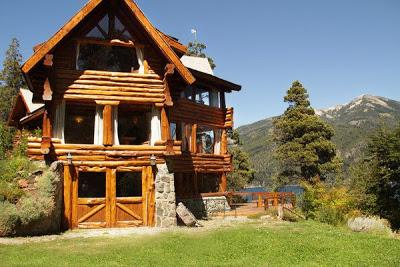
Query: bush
(369, 224)
(28, 207)
(8, 218)
(327, 204)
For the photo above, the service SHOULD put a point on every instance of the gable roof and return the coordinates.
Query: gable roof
(155, 35)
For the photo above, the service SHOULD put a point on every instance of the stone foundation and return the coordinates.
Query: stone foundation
(206, 206)
(165, 197)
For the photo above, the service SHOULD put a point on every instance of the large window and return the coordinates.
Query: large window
(205, 140)
(79, 123)
(203, 96)
(109, 46)
(133, 126)
(107, 58)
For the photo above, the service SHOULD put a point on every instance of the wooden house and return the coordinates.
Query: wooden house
(136, 129)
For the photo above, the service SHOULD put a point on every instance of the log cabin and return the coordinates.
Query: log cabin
(137, 125)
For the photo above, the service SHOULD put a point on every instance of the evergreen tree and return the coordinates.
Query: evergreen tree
(11, 78)
(378, 181)
(304, 147)
(242, 173)
(196, 49)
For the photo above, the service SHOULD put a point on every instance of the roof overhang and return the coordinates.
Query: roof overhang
(216, 81)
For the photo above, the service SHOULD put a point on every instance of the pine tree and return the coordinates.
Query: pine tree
(11, 78)
(304, 147)
(242, 173)
(196, 49)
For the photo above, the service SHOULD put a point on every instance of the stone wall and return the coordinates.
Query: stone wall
(165, 197)
(206, 206)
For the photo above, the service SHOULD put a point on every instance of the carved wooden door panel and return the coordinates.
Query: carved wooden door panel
(90, 200)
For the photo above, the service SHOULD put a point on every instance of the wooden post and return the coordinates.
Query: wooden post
(145, 196)
(151, 196)
(193, 143)
(165, 132)
(146, 66)
(108, 197)
(67, 222)
(259, 202)
(169, 71)
(108, 132)
(46, 132)
(223, 183)
(224, 142)
(75, 177)
(275, 199)
(113, 197)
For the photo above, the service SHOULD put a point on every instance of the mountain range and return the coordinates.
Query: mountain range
(353, 123)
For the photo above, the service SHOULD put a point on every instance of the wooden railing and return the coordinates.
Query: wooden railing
(268, 199)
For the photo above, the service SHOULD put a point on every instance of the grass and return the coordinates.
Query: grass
(301, 244)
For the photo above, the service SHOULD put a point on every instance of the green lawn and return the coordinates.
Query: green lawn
(303, 243)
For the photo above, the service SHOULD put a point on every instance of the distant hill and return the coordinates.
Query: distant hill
(353, 122)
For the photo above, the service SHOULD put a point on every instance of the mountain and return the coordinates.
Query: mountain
(353, 122)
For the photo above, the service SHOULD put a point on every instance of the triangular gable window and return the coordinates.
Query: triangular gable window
(110, 27)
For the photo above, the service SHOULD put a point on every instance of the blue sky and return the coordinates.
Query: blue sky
(338, 49)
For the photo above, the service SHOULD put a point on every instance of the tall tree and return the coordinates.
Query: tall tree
(242, 173)
(196, 49)
(304, 147)
(377, 179)
(11, 78)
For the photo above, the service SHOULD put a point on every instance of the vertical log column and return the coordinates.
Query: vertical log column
(223, 182)
(108, 129)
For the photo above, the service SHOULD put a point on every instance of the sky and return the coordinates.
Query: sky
(338, 49)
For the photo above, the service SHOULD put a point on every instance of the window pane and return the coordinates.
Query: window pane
(189, 93)
(129, 184)
(202, 97)
(92, 185)
(205, 140)
(172, 128)
(108, 58)
(120, 31)
(79, 124)
(208, 182)
(103, 25)
(133, 126)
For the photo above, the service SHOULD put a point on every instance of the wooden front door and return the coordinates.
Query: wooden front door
(109, 198)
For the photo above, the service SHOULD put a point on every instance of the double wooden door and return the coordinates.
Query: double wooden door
(105, 197)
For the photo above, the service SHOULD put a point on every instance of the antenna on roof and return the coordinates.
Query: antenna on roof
(194, 32)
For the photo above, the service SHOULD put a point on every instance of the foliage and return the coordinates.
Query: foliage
(242, 173)
(304, 147)
(196, 49)
(369, 224)
(28, 207)
(327, 204)
(11, 78)
(376, 179)
(254, 244)
(6, 137)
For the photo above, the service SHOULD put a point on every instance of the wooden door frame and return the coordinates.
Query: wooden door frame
(71, 180)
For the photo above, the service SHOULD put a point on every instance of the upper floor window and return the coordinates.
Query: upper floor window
(108, 28)
(208, 97)
(109, 46)
(107, 58)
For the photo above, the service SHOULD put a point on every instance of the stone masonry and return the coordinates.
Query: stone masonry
(165, 197)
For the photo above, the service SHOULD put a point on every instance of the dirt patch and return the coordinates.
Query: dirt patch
(207, 225)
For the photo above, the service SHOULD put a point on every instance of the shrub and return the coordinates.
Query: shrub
(328, 204)
(31, 206)
(8, 218)
(369, 224)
